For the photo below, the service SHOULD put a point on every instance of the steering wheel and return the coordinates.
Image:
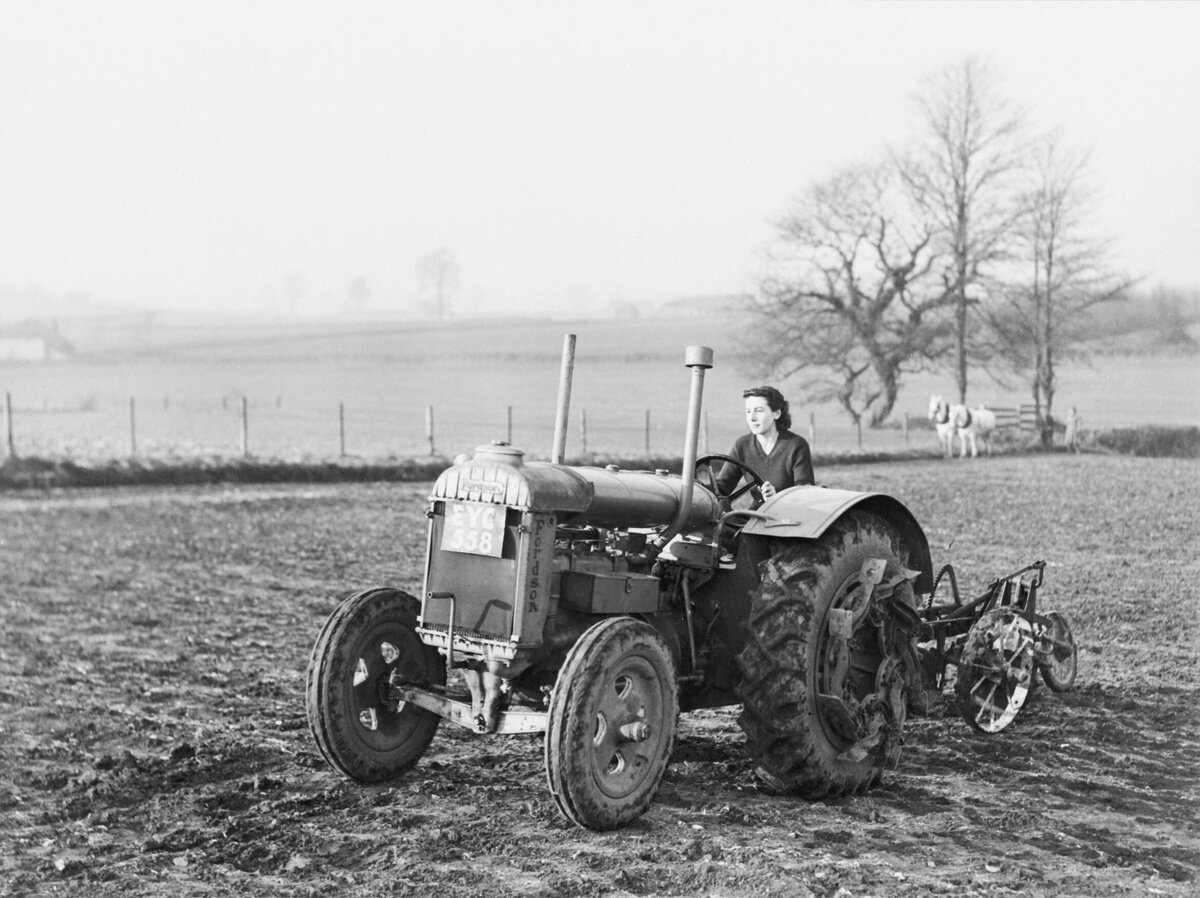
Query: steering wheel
(754, 486)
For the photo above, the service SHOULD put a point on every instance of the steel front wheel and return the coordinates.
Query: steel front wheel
(357, 729)
(995, 672)
(611, 724)
(825, 666)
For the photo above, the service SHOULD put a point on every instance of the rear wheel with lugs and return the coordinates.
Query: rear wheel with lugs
(824, 669)
(611, 724)
(357, 729)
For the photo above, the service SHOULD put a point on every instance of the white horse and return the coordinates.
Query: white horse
(939, 416)
(972, 424)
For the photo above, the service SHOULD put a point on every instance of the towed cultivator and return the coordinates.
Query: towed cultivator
(593, 605)
(999, 644)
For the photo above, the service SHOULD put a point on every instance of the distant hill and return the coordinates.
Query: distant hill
(647, 331)
(182, 337)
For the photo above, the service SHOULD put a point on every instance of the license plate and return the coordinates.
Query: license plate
(474, 528)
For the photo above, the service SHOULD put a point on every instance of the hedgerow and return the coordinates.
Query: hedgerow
(1152, 442)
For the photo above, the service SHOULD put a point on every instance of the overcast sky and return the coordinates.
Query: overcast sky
(200, 154)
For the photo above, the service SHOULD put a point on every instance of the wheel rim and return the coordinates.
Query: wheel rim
(629, 728)
(1002, 675)
(378, 719)
(857, 681)
(1059, 670)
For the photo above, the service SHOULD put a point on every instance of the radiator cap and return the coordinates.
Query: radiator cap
(499, 452)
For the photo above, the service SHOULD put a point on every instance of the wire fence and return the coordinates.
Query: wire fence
(278, 427)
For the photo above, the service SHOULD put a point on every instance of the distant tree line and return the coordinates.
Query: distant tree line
(967, 248)
(1163, 313)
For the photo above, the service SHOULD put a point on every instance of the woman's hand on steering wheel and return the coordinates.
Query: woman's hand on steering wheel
(754, 487)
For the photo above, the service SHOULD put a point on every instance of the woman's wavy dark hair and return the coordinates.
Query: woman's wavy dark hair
(776, 402)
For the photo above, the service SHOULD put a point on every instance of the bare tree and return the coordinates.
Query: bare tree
(962, 173)
(437, 279)
(851, 298)
(1066, 272)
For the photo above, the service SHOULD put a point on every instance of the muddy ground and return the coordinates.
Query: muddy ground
(153, 739)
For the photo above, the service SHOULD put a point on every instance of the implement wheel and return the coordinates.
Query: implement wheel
(1059, 670)
(356, 728)
(611, 724)
(995, 672)
(823, 714)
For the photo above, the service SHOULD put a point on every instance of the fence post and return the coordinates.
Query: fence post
(10, 452)
(509, 437)
(583, 433)
(245, 427)
(429, 428)
(647, 431)
(132, 427)
(341, 430)
(906, 428)
(812, 429)
(858, 427)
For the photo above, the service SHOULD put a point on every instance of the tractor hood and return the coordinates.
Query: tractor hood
(602, 497)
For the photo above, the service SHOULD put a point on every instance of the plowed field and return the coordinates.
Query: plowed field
(153, 739)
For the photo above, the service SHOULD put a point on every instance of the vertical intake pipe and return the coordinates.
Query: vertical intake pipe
(559, 449)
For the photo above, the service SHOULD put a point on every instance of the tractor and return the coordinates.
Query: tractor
(594, 604)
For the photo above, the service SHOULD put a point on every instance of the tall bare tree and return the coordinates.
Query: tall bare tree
(437, 278)
(962, 172)
(851, 297)
(1066, 272)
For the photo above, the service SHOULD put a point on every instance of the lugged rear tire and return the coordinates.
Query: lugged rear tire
(356, 729)
(790, 732)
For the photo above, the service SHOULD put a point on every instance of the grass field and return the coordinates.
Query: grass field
(187, 384)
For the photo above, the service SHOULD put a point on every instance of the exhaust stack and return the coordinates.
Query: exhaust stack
(699, 359)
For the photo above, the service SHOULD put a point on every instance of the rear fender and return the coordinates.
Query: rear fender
(806, 512)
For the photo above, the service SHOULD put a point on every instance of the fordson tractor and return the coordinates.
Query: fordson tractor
(594, 604)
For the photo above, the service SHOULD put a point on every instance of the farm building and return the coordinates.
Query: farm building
(33, 341)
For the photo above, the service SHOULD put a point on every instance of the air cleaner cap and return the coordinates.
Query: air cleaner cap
(698, 356)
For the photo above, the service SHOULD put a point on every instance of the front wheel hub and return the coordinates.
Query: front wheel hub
(638, 731)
